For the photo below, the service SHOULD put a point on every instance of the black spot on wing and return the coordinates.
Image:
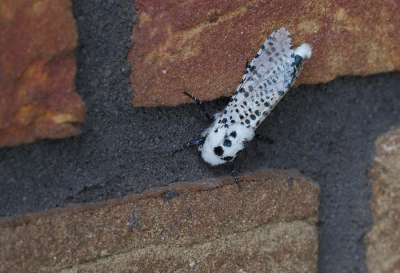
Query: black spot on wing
(218, 151)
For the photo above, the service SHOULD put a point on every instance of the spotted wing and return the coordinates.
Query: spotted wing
(266, 80)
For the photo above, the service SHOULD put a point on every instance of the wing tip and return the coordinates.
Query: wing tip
(282, 30)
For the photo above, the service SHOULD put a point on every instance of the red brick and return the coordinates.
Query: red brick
(202, 46)
(37, 71)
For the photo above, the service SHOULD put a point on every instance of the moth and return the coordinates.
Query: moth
(266, 80)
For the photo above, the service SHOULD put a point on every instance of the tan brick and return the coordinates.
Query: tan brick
(202, 46)
(269, 225)
(275, 247)
(37, 71)
(383, 253)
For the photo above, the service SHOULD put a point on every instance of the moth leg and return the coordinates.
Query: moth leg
(234, 175)
(270, 141)
(203, 108)
(196, 142)
(245, 70)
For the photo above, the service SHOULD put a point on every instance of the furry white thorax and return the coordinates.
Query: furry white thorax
(304, 51)
(215, 139)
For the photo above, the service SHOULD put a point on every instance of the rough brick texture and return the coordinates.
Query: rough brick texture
(37, 70)
(206, 226)
(383, 253)
(202, 46)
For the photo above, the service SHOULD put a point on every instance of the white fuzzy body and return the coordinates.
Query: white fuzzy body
(267, 79)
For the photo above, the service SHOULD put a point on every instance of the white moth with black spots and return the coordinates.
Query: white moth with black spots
(266, 80)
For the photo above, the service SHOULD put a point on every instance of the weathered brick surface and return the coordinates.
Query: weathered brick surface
(269, 225)
(202, 46)
(383, 253)
(37, 70)
(275, 247)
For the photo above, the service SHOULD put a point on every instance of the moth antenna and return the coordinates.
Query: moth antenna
(234, 174)
(267, 139)
(196, 142)
(203, 108)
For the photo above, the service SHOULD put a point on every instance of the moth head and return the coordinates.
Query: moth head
(223, 144)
